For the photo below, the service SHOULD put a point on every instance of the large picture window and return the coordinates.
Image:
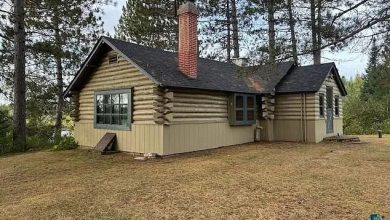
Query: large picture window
(242, 109)
(113, 109)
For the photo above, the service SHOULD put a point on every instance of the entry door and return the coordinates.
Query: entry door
(329, 110)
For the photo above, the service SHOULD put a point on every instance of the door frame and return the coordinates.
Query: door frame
(329, 110)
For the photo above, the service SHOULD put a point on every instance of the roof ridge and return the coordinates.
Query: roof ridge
(321, 64)
(175, 52)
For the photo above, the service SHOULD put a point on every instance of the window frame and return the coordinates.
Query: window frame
(129, 109)
(321, 113)
(336, 106)
(233, 109)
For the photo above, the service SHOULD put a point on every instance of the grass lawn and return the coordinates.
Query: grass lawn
(253, 181)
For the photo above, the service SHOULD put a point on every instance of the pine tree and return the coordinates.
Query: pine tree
(19, 116)
(63, 39)
(149, 22)
(291, 23)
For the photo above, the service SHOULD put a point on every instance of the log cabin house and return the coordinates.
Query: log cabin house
(163, 102)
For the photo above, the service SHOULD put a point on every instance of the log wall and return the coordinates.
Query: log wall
(293, 122)
(291, 106)
(146, 134)
(147, 97)
(192, 106)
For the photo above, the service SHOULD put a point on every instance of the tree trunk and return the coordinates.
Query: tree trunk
(60, 100)
(236, 46)
(228, 45)
(319, 30)
(19, 117)
(315, 49)
(292, 30)
(59, 79)
(271, 32)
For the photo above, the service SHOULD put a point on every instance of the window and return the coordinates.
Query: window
(336, 106)
(112, 109)
(113, 59)
(322, 107)
(242, 109)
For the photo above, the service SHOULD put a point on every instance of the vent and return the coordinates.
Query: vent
(113, 59)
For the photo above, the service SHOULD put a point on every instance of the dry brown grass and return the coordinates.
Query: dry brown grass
(254, 181)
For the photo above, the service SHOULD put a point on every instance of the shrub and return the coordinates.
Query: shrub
(66, 143)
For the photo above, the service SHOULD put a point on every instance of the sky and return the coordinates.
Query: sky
(348, 63)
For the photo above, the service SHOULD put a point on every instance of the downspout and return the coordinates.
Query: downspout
(301, 131)
(305, 111)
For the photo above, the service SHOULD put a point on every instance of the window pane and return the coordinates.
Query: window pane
(239, 101)
(107, 119)
(115, 109)
(107, 109)
(115, 99)
(112, 108)
(99, 108)
(251, 115)
(124, 98)
(115, 120)
(123, 120)
(100, 119)
(123, 109)
(106, 99)
(250, 102)
(239, 115)
(99, 99)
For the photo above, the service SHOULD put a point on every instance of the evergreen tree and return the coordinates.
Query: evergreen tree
(19, 115)
(377, 80)
(56, 46)
(61, 41)
(150, 22)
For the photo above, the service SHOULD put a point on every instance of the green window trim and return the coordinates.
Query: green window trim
(242, 109)
(114, 110)
(322, 105)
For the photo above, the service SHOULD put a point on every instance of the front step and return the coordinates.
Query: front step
(344, 138)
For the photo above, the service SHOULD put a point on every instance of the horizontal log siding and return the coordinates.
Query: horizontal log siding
(117, 76)
(192, 106)
(289, 107)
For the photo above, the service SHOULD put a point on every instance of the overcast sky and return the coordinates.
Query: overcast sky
(348, 63)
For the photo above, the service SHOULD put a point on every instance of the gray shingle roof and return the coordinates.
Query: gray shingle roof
(309, 79)
(161, 67)
(212, 75)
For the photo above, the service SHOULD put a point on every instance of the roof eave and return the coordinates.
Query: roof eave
(79, 73)
(68, 90)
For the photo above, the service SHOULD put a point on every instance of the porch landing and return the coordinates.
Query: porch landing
(343, 138)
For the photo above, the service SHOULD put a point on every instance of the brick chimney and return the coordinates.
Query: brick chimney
(188, 39)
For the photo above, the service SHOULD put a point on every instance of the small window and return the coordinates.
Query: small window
(337, 106)
(113, 59)
(112, 109)
(322, 107)
(242, 109)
